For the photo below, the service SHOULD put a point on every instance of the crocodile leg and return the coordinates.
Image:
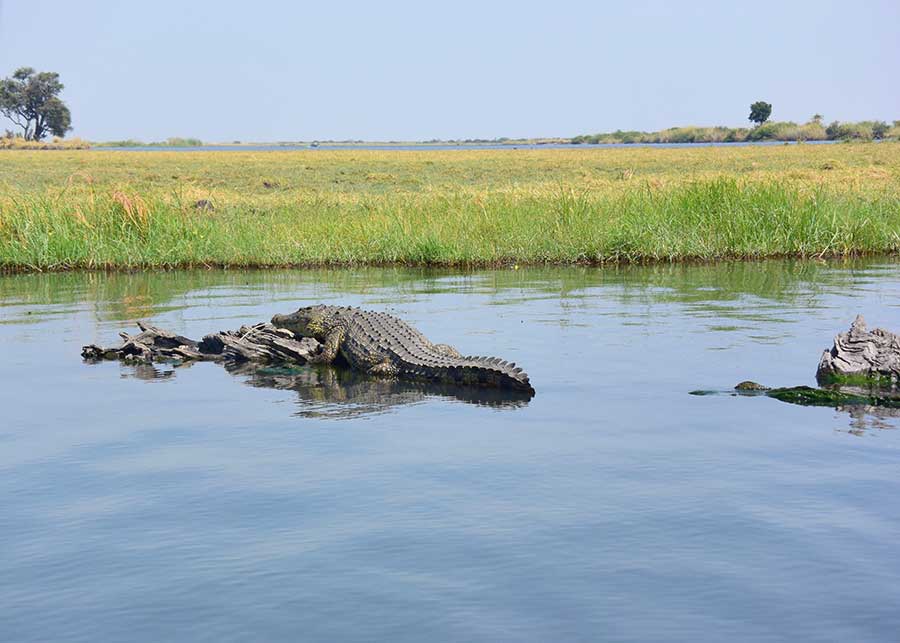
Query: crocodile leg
(383, 368)
(330, 348)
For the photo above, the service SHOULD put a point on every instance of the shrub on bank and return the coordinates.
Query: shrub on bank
(788, 131)
(862, 131)
(172, 141)
(128, 142)
(57, 143)
(176, 141)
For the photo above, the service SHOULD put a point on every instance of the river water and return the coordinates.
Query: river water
(196, 504)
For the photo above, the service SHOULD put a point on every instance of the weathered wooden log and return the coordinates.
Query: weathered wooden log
(261, 343)
(861, 354)
(160, 338)
(151, 344)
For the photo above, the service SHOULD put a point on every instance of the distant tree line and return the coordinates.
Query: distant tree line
(813, 130)
(760, 111)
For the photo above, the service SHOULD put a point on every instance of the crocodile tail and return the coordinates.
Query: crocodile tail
(497, 372)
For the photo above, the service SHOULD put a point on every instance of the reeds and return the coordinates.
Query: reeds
(123, 210)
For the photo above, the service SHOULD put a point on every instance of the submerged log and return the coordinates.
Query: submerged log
(860, 355)
(259, 343)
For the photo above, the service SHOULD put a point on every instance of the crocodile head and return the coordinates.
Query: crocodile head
(306, 322)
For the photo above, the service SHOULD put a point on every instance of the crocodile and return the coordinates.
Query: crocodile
(383, 345)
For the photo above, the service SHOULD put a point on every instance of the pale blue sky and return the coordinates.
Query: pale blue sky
(267, 71)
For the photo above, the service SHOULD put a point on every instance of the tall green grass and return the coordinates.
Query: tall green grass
(703, 219)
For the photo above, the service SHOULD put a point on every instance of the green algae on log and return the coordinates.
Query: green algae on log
(834, 397)
(858, 379)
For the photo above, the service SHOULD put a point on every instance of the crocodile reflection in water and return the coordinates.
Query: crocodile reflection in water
(149, 372)
(335, 392)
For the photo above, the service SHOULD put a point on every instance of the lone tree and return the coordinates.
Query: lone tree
(29, 99)
(760, 112)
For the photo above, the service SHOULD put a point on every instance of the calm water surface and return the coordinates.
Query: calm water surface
(195, 504)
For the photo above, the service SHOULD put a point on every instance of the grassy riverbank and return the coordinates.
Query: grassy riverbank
(135, 210)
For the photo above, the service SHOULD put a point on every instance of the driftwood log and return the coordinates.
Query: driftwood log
(262, 343)
(259, 343)
(861, 353)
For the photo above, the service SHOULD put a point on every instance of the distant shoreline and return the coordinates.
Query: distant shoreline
(436, 147)
(327, 144)
(769, 132)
